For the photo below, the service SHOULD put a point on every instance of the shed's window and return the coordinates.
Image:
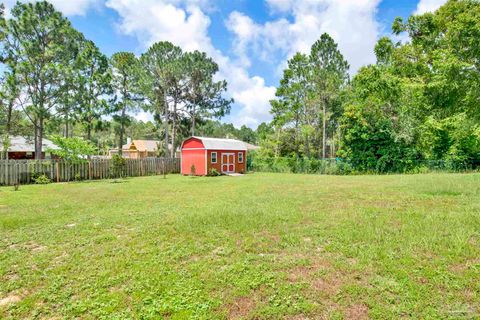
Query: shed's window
(240, 157)
(214, 157)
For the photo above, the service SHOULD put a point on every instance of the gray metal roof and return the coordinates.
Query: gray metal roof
(222, 144)
(22, 144)
(251, 147)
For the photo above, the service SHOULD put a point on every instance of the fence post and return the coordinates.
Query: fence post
(57, 170)
(90, 169)
(164, 169)
(7, 175)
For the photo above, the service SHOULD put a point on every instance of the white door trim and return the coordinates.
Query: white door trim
(227, 164)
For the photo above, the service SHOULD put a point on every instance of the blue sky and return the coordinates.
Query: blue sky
(251, 40)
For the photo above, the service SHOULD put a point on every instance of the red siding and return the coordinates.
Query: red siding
(196, 158)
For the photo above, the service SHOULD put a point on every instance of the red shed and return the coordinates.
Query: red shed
(224, 155)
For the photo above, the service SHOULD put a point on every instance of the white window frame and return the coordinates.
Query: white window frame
(240, 157)
(216, 157)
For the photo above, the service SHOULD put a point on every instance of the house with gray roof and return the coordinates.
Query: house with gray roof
(24, 148)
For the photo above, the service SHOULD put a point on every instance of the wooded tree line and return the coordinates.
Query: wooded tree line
(419, 101)
(55, 81)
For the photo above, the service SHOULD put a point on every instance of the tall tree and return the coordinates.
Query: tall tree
(125, 77)
(162, 81)
(330, 73)
(291, 106)
(203, 95)
(38, 37)
(8, 114)
(92, 79)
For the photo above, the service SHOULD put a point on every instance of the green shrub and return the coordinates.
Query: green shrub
(213, 173)
(302, 165)
(118, 165)
(42, 179)
(193, 171)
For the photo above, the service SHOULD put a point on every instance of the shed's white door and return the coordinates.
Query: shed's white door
(228, 162)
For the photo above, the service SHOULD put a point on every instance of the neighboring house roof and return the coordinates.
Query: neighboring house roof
(251, 147)
(222, 144)
(146, 145)
(22, 144)
(142, 145)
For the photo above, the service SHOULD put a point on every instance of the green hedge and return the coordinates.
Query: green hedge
(346, 167)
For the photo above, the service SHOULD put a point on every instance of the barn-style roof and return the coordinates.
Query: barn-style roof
(222, 144)
(22, 144)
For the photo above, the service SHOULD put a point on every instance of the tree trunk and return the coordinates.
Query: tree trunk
(35, 124)
(38, 138)
(8, 126)
(307, 146)
(297, 134)
(324, 138)
(174, 128)
(66, 125)
(277, 145)
(307, 143)
(166, 129)
(122, 130)
(193, 121)
(89, 132)
(332, 151)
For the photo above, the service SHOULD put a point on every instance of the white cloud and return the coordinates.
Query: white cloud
(67, 7)
(246, 30)
(254, 97)
(429, 6)
(75, 7)
(185, 23)
(350, 22)
(152, 21)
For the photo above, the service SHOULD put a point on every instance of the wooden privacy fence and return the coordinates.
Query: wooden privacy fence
(26, 171)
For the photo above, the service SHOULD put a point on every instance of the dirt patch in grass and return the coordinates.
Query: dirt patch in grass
(298, 317)
(329, 286)
(462, 267)
(240, 308)
(271, 237)
(356, 312)
(325, 282)
(32, 246)
(303, 272)
(300, 273)
(11, 298)
(12, 276)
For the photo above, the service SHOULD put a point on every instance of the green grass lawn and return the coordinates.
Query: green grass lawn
(262, 246)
